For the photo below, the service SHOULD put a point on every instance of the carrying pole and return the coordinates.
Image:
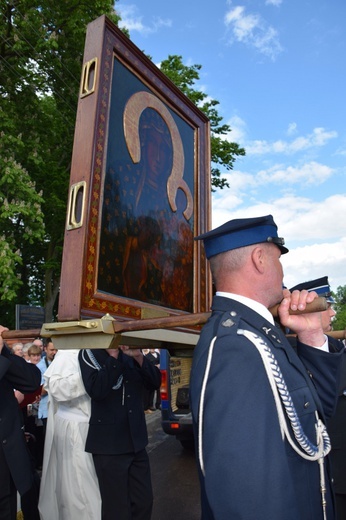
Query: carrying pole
(183, 328)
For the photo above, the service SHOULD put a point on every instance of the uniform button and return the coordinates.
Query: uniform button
(4, 441)
(344, 392)
(233, 313)
(130, 411)
(307, 404)
(128, 395)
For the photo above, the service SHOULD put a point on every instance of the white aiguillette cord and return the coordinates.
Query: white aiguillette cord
(284, 404)
(96, 366)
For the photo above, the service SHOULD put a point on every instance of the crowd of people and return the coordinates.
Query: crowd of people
(83, 431)
(16, 466)
(274, 447)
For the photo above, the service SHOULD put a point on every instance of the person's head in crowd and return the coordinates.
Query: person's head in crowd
(26, 347)
(34, 354)
(17, 349)
(39, 343)
(50, 350)
(322, 288)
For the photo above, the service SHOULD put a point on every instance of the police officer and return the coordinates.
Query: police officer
(259, 408)
(337, 423)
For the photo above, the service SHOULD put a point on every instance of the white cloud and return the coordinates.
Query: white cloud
(292, 128)
(305, 220)
(314, 231)
(299, 219)
(239, 130)
(226, 202)
(309, 174)
(159, 22)
(252, 30)
(245, 186)
(273, 2)
(319, 137)
(131, 20)
(309, 262)
(243, 25)
(341, 151)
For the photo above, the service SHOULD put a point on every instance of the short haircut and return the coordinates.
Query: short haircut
(34, 349)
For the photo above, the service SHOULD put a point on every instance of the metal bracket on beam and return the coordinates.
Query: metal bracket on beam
(101, 333)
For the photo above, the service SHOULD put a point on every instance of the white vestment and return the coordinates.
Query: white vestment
(69, 485)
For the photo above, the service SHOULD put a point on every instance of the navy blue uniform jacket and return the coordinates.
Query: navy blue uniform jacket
(15, 373)
(337, 431)
(251, 473)
(117, 422)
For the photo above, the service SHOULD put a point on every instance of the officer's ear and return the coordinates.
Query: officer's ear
(259, 258)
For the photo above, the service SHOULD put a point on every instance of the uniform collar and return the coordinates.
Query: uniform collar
(255, 306)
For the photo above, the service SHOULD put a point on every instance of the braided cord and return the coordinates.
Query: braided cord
(310, 451)
(96, 366)
(279, 388)
(284, 404)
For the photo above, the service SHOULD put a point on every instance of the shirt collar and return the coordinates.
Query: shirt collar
(255, 306)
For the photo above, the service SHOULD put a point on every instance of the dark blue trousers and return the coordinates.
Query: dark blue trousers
(125, 486)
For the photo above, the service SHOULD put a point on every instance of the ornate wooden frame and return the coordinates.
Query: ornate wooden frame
(114, 68)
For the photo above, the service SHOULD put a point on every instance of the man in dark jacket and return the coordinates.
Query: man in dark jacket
(117, 436)
(16, 472)
(337, 431)
(337, 423)
(259, 408)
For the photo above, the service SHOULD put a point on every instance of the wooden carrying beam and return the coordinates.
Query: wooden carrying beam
(190, 320)
(166, 332)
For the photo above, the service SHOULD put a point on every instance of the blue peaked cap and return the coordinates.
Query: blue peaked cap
(241, 232)
(320, 285)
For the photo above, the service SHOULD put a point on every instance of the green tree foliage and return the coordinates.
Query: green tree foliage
(339, 322)
(223, 151)
(41, 52)
(21, 217)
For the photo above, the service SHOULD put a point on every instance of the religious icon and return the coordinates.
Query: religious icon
(146, 250)
(139, 189)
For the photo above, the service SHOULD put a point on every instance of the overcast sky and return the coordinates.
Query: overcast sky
(277, 67)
